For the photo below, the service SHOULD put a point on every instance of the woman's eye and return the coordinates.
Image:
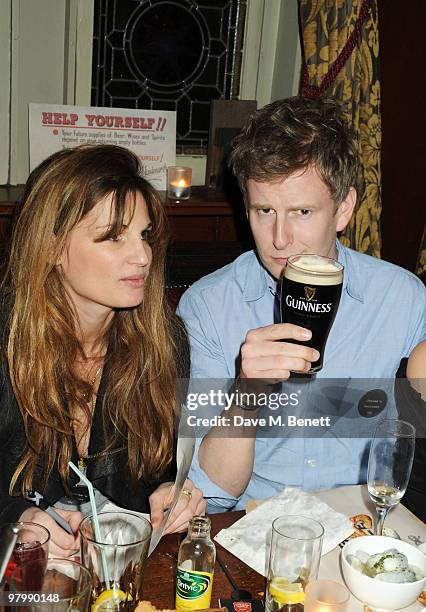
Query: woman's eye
(115, 238)
(263, 212)
(146, 234)
(304, 212)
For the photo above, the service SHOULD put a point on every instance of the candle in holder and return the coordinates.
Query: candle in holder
(179, 182)
(326, 596)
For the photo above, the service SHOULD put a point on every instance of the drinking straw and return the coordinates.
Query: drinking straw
(95, 517)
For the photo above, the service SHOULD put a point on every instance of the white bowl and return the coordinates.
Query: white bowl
(379, 594)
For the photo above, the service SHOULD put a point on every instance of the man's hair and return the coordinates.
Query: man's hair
(294, 134)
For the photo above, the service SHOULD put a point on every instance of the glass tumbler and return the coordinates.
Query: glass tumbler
(293, 561)
(116, 561)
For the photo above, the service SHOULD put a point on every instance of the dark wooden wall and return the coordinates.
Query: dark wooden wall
(207, 231)
(402, 31)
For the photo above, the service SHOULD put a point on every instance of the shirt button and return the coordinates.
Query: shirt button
(311, 462)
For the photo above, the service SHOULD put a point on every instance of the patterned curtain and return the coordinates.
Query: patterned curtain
(421, 261)
(341, 50)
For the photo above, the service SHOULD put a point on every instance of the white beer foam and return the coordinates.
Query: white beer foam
(315, 264)
(314, 269)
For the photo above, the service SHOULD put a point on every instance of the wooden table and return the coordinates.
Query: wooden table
(160, 572)
(159, 583)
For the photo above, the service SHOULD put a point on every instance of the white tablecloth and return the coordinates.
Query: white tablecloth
(355, 500)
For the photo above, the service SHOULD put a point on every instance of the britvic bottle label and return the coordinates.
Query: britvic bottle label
(193, 590)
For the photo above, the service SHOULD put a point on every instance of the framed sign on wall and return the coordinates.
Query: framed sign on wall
(150, 134)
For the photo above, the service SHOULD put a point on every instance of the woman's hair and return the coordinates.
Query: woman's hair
(292, 134)
(43, 346)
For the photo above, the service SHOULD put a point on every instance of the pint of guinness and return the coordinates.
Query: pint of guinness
(310, 294)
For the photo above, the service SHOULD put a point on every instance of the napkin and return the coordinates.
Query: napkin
(247, 538)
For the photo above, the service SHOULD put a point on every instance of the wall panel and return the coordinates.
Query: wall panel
(5, 42)
(402, 61)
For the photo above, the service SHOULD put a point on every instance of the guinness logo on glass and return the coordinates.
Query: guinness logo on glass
(309, 293)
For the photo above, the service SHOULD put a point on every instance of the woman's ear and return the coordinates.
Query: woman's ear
(345, 210)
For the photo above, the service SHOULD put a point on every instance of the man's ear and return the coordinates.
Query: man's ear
(345, 210)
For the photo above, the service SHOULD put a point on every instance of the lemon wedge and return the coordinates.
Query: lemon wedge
(284, 592)
(110, 600)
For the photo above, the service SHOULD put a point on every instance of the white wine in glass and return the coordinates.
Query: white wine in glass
(389, 465)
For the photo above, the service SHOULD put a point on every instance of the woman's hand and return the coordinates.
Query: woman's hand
(61, 543)
(190, 503)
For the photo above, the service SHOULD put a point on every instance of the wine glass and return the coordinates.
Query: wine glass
(389, 465)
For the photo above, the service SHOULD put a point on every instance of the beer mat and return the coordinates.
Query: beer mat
(247, 538)
(362, 525)
(146, 606)
(251, 605)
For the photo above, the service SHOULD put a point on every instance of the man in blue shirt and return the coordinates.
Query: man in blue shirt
(296, 164)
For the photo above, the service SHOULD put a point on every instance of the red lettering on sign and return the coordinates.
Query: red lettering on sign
(110, 121)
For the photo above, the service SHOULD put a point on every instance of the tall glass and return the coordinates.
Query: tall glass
(62, 586)
(294, 560)
(389, 465)
(311, 287)
(116, 561)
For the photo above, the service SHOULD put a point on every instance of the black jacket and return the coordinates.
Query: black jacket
(411, 408)
(109, 474)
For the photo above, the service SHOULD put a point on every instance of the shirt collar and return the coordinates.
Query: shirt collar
(257, 282)
(351, 280)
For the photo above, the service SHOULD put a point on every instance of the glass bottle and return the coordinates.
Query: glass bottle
(197, 556)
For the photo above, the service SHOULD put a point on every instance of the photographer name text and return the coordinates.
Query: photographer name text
(246, 421)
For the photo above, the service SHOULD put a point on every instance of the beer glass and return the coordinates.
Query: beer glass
(293, 561)
(117, 561)
(310, 294)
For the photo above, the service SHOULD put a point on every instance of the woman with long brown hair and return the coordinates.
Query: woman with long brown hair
(90, 350)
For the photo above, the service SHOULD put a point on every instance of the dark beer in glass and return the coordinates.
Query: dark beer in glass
(310, 294)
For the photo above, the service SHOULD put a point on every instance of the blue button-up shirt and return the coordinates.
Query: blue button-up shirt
(381, 317)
